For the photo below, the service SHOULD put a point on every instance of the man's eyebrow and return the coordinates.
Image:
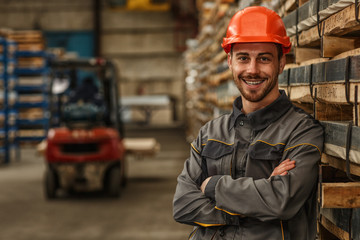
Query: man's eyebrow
(242, 53)
(266, 53)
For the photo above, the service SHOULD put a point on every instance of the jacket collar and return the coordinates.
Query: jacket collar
(261, 118)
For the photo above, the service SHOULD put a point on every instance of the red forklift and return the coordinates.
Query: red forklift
(84, 146)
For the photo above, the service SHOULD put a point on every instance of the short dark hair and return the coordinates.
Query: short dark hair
(278, 46)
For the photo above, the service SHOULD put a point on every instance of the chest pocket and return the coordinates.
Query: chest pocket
(216, 156)
(263, 158)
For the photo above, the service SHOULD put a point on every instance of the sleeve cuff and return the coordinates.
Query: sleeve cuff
(210, 187)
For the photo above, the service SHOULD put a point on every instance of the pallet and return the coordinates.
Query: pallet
(141, 146)
(27, 40)
(340, 195)
(340, 164)
(338, 24)
(31, 62)
(330, 86)
(30, 81)
(336, 141)
(307, 14)
(338, 222)
(31, 132)
(328, 77)
(31, 98)
(31, 114)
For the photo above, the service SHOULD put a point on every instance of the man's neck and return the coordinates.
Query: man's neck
(249, 107)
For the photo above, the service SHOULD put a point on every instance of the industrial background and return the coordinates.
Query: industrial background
(168, 76)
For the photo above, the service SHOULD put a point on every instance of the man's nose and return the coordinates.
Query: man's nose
(253, 67)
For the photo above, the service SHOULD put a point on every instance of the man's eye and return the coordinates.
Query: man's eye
(265, 59)
(242, 59)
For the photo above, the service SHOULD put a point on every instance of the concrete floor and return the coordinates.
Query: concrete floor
(144, 211)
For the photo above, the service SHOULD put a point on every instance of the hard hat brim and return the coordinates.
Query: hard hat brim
(283, 41)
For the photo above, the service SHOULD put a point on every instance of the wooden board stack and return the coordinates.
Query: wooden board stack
(27, 40)
(323, 78)
(210, 90)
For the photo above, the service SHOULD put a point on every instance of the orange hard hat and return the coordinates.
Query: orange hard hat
(256, 24)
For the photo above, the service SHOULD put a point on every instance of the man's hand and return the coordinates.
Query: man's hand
(283, 168)
(203, 185)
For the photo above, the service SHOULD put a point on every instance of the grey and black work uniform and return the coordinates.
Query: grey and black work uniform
(240, 152)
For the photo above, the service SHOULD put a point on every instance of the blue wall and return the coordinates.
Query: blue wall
(81, 42)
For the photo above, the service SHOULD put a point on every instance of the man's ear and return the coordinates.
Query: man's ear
(229, 61)
(282, 63)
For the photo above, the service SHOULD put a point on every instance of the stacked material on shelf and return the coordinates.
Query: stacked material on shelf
(31, 113)
(32, 84)
(31, 133)
(27, 40)
(324, 79)
(336, 140)
(331, 79)
(208, 76)
(311, 13)
(30, 81)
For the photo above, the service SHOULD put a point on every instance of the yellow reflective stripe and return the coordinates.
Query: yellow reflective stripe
(282, 230)
(209, 225)
(195, 148)
(233, 214)
(309, 144)
(220, 142)
(268, 143)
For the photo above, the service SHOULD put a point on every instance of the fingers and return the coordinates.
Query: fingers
(283, 168)
(203, 185)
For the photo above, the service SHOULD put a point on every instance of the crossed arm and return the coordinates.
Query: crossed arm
(281, 170)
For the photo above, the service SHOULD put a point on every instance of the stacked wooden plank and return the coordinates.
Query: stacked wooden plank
(28, 41)
(208, 77)
(32, 83)
(323, 78)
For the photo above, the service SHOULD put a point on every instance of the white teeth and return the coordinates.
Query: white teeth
(253, 83)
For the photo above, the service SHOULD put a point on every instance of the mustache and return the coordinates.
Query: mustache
(251, 77)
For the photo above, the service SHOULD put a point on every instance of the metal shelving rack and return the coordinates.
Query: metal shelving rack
(35, 127)
(8, 126)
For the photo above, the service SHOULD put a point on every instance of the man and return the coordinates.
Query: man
(239, 182)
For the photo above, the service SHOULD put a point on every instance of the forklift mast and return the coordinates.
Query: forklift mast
(72, 71)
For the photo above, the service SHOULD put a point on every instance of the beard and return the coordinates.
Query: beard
(256, 95)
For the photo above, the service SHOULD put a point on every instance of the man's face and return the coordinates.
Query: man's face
(255, 68)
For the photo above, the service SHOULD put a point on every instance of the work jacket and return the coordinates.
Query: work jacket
(240, 152)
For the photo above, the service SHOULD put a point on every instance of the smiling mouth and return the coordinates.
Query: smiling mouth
(253, 82)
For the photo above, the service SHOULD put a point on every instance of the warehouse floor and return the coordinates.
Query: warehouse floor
(144, 211)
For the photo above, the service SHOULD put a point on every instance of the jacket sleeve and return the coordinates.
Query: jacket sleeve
(190, 205)
(279, 197)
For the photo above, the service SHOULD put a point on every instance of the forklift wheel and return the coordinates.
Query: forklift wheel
(113, 186)
(50, 184)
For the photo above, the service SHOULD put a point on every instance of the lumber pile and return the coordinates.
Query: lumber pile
(141, 147)
(31, 87)
(27, 41)
(210, 89)
(323, 77)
